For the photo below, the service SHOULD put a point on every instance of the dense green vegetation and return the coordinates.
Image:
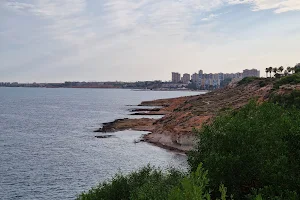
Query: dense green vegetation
(291, 79)
(147, 183)
(288, 100)
(150, 183)
(252, 153)
(255, 147)
(195, 186)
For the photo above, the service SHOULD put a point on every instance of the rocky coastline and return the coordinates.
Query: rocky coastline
(175, 130)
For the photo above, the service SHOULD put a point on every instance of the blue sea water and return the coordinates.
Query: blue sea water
(48, 149)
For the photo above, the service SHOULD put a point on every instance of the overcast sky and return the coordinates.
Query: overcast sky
(129, 40)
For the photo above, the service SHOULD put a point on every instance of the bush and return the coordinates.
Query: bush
(257, 146)
(147, 183)
(195, 186)
(291, 79)
(287, 100)
(274, 194)
(262, 83)
(152, 184)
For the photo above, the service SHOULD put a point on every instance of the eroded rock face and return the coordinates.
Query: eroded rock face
(104, 136)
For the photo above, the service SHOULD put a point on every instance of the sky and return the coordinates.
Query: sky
(131, 40)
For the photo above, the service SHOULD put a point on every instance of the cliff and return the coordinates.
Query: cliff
(175, 129)
(182, 115)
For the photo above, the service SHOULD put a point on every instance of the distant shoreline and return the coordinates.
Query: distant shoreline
(156, 90)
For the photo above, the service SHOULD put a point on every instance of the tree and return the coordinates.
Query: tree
(297, 68)
(275, 70)
(254, 147)
(286, 72)
(192, 86)
(281, 68)
(270, 71)
(267, 71)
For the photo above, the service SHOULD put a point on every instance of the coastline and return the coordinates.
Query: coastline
(171, 142)
(182, 115)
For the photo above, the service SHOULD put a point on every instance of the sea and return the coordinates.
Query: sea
(48, 149)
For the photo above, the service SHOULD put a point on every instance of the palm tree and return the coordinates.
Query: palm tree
(281, 68)
(286, 72)
(270, 71)
(275, 70)
(267, 71)
(297, 68)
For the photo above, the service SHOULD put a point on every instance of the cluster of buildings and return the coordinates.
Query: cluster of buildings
(199, 81)
(212, 80)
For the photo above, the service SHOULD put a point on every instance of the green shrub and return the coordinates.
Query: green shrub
(287, 100)
(147, 183)
(291, 79)
(257, 146)
(195, 186)
(274, 194)
(262, 83)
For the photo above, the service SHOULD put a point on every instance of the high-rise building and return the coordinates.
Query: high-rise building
(239, 75)
(251, 72)
(175, 77)
(221, 76)
(186, 78)
(195, 78)
(215, 77)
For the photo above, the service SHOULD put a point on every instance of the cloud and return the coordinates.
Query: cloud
(133, 34)
(209, 17)
(49, 8)
(279, 6)
(64, 19)
(20, 6)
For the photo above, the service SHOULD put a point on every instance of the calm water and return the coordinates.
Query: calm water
(48, 149)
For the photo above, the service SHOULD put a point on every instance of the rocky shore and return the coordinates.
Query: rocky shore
(143, 124)
(182, 115)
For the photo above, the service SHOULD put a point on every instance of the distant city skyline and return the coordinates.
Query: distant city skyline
(206, 80)
(128, 40)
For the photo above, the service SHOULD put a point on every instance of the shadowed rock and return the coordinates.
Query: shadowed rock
(104, 136)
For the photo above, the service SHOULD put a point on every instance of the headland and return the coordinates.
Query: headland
(182, 115)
